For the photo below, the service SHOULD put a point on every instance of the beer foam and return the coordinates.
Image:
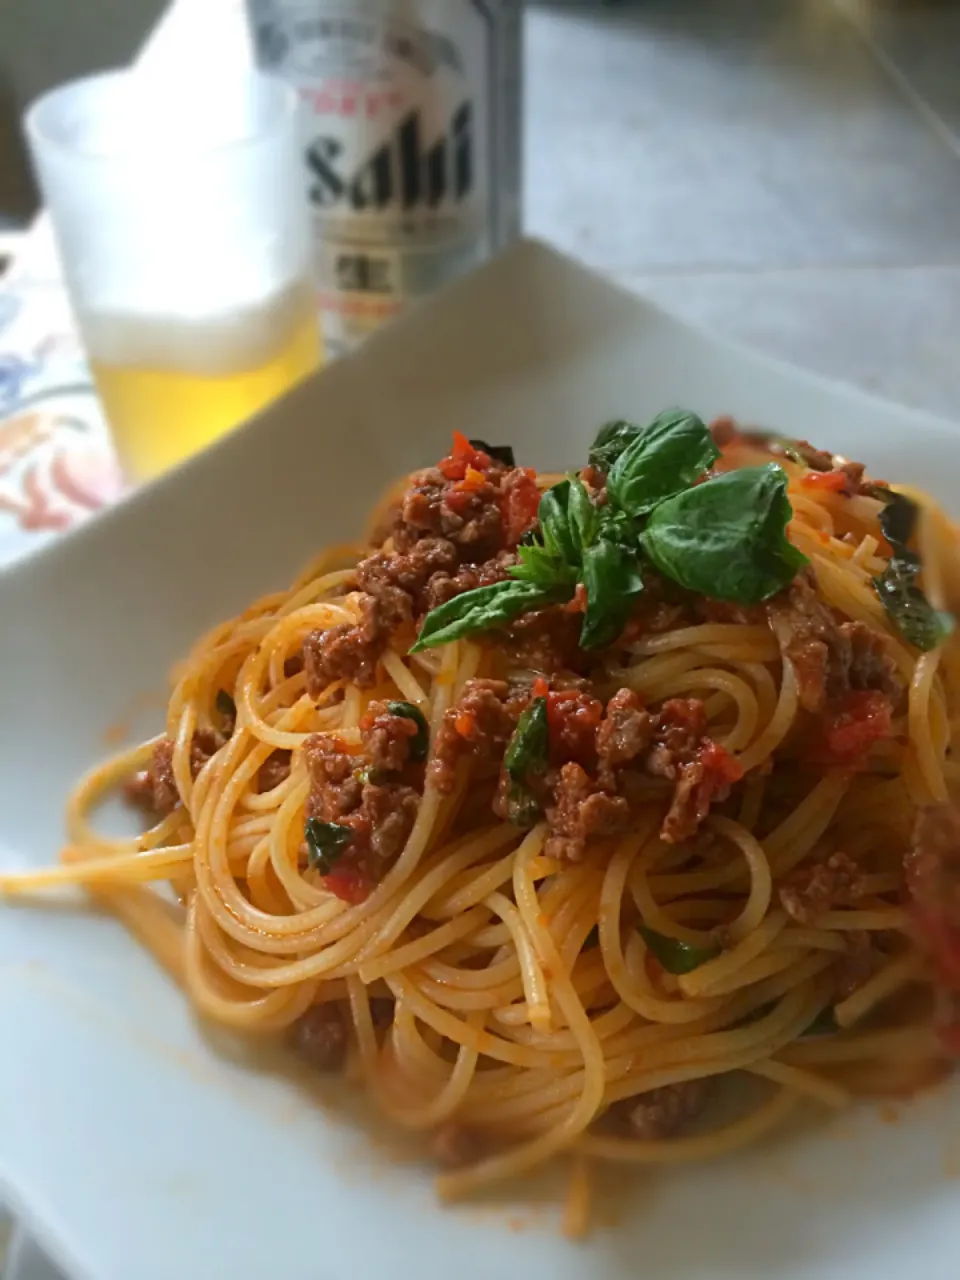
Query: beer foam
(215, 343)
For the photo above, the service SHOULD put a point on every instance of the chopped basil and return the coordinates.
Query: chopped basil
(226, 705)
(898, 588)
(611, 575)
(483, 608)
(726, 538)
(420, 742)
(326, 841)
(665, 458)
(528, 748)
(499, 452)
(527, 755)
(674, 955)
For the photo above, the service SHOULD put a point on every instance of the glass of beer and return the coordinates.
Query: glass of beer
(183, 234)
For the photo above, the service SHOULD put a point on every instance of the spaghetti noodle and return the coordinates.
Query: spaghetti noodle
(563, 797)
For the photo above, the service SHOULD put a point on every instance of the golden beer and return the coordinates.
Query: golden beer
(170, 386)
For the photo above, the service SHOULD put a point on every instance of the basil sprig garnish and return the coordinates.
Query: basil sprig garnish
(326, 841)
(727, 538)
(909, 609)
(724, 537)
(526, 756)
(499, 452)
(676, 956)
(420, 742)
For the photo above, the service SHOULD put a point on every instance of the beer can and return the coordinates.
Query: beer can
(411, 142)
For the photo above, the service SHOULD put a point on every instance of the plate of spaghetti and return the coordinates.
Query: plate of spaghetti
(590, 815)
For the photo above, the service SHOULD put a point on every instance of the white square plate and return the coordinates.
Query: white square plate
(141, 1152)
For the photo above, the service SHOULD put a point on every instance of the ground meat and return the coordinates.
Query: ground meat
(814, 889)
(274, 770)
(480, 724)
(293, 666)
(336, 790)
(389, 810)
(871, 666)
(454, 1145)
(625, 732)
(701, 770)
(677, 733)
(341, 653)
(320, 1037)
(662, 1112)
(154, 789)
(380, 815)
(444, 586)
(547, 640)
(206, 743)
(830, 658)
(580, 811)
(433, 506)
(387, 737)
(379, 573)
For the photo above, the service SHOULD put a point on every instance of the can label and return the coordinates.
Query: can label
(405, 164)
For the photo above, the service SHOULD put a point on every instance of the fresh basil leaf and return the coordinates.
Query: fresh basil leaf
(326, 841)
(909, 609)
(667, 457)
(611, 575)
(483, 608)
(554, 519)
(612, 439)
(528, 753)
(824, 1024)
(529, 746)
(898, 587)
(536, 564)
(674, 955)
(499, 452)
(584, 517)
(726, 538)
(226, 705)
(420, 742)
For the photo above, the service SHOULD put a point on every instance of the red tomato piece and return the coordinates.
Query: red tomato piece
(519, 502)
(827, 482)
(851, 726)
(349, 884)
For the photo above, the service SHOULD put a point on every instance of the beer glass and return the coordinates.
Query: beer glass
(183, 234)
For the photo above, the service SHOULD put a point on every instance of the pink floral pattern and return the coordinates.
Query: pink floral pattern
(57, 463)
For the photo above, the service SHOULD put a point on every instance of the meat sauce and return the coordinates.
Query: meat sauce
(456, 528)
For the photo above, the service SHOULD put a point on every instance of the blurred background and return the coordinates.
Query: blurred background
(786, 171)
(783, 172)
